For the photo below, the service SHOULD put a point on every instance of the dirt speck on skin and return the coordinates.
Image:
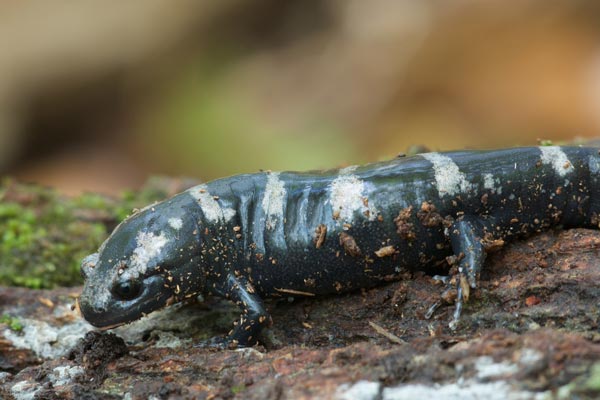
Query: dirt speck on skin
(349, 244)
(429, 216)
(484, 199)
(385, 251)
(404, 228)
(491, 244)
(320, 235)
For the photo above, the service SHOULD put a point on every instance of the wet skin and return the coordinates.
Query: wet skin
(254, 236)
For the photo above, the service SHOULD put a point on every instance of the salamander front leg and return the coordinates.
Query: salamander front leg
(253, 319)
(466, 240)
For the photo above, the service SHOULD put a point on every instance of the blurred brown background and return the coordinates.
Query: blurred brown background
(98, 95)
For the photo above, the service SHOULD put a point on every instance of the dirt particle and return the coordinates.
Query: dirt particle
(532, 301)
(404, 228)
(47, 302)
(490, 243)
(429, 216)
(449, 296)
(338, 286)
(595, 219)
(484, 199)
(310, 282)
(349, 244)
(399, 298)
(95, 351)
(320, 235)
(385, 251)
(448, 221)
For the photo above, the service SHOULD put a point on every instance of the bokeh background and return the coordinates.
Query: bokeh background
(97, 96)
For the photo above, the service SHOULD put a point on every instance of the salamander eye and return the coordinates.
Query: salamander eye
(127, 290)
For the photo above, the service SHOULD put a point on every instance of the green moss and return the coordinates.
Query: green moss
(44, 236)
(238, 388)
(545, 142)
(12, 322)
(586, 386)
(593, 382)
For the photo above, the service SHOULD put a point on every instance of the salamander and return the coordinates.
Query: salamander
(269, 234)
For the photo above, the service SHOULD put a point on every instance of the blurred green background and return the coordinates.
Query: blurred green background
(96, 96)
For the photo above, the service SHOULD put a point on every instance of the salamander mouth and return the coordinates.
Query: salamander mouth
(105, 328)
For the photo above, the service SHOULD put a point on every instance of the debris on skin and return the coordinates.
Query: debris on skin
(490, 244)
(328, 346)
(320, 235)
(404, 228)
(385, 251)
(349, 244)
(429, 216)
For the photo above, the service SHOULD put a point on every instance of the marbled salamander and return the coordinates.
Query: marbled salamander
(252, 236)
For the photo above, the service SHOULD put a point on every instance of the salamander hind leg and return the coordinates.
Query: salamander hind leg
(466, 237)
(253, 319)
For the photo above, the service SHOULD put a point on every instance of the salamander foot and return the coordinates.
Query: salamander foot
(452, 294)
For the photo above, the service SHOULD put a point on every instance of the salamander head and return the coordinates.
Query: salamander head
(143, 265)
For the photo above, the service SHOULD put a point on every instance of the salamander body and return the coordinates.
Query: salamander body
(254, 236)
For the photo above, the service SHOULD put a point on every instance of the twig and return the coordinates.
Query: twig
(384, 332)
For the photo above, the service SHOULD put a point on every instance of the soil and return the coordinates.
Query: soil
(530, 331)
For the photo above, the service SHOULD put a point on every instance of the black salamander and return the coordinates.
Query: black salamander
(253, 236)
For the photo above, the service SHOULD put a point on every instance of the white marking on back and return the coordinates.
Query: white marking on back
(448, 178)
(556, 157)
(228, 213)
(492, 183)
(488, 181)
(211, 208)
(346, 195)
(149, 246)
(348, 170)
(273, 200)
(594, 165)
(176, 223)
